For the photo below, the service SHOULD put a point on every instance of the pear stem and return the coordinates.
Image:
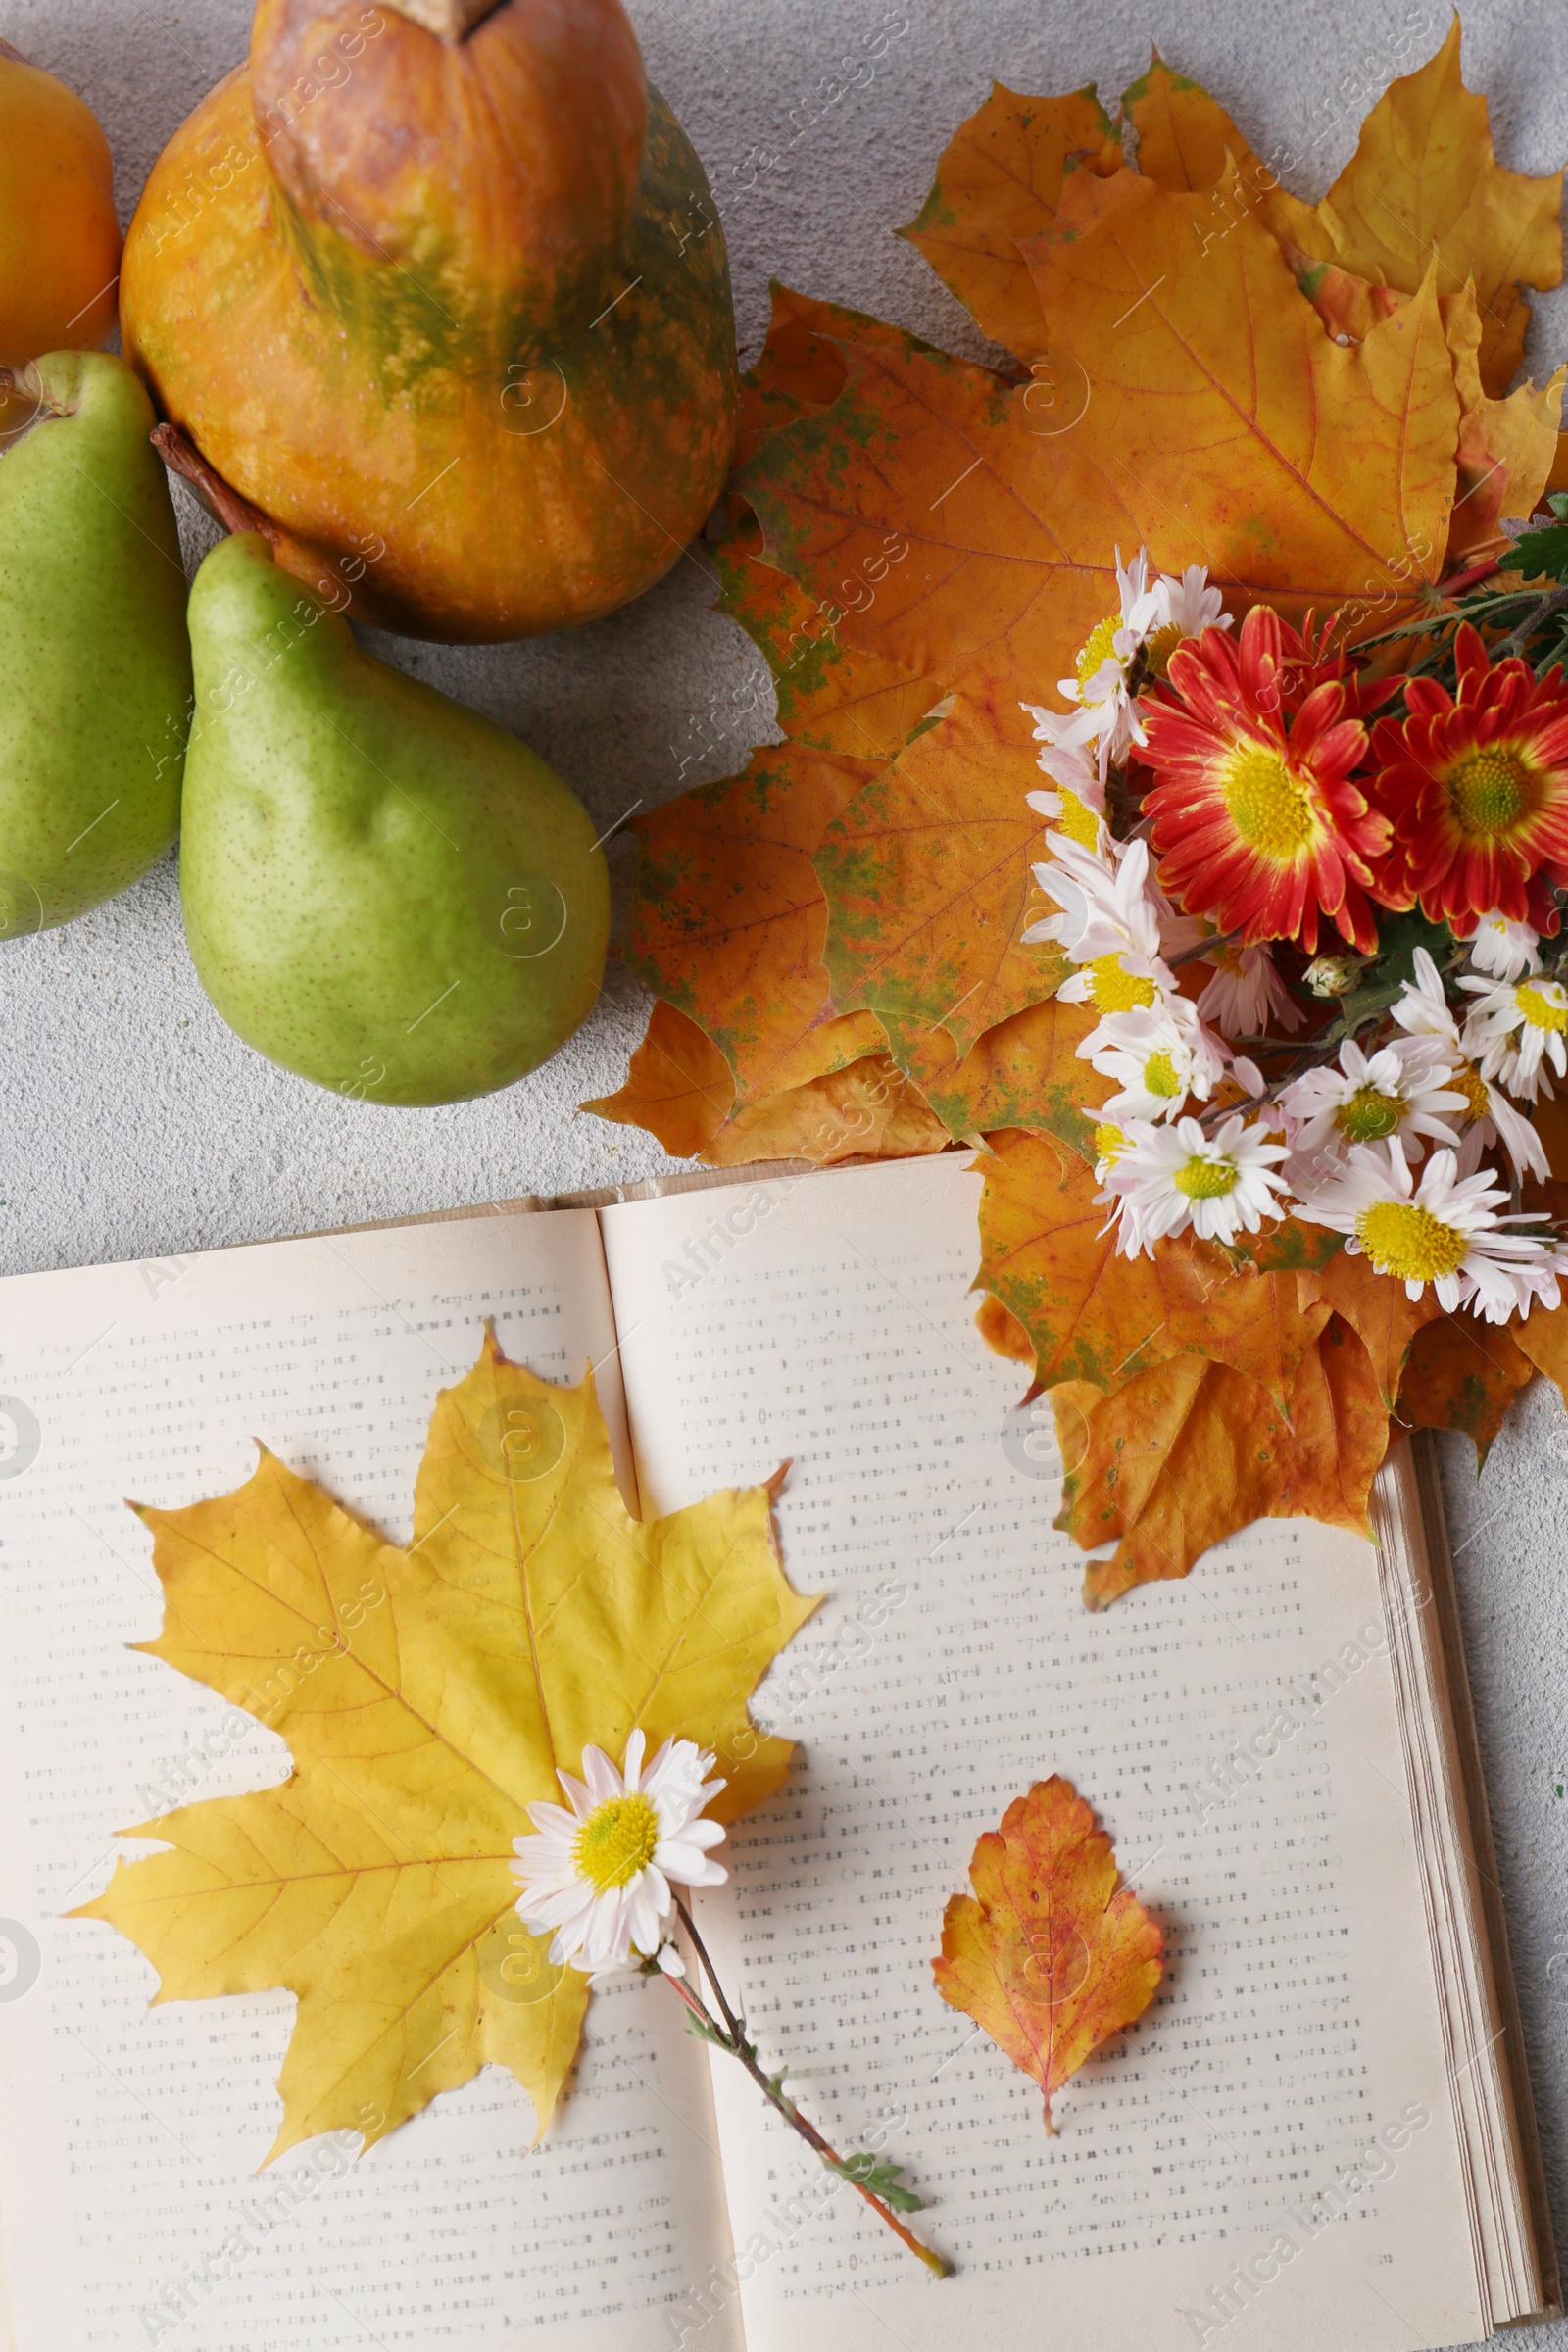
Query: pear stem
(23, 385)
(182, 456)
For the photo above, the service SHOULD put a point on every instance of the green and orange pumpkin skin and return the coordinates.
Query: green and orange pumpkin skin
(455, 317)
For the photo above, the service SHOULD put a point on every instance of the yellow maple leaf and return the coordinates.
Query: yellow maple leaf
(1424, 186)
(427, 1696)
(1423, 189)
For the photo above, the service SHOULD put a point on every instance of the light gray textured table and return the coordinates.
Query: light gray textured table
(133, 1123)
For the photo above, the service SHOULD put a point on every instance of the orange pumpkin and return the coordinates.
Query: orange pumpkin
(58, 230)
(452, 312)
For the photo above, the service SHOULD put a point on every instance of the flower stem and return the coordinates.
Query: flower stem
(1544, 607)
(1203, 947)
(733, 2037)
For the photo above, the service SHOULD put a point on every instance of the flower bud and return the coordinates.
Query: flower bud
(1334, 975)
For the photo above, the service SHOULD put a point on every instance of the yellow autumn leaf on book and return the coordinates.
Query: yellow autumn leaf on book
(429, 1697)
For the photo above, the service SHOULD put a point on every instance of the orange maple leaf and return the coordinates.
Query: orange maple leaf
(1023, 1072)
(1188, 1453)
(680, 1088)
(1543, 1337)
(998, 182)
(1049, 1955)
(1464, 1374)
(729, 917)
(1095, 1316)
(1376, 1308)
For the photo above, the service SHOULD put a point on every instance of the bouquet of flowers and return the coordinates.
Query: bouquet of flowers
(1318, 909)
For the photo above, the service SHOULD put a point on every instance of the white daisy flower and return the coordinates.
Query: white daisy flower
(1159, 1054)
(1079, 806)
(1167, 1178)
(1402, 1088)
(1504, 949)
(1107, 905)
(600, 1875)
(1489, 1117)
(1107, 712)
(1065, 759)
(1447, 1232)
(1423, 1011)
(1184, 607)
(1247, 992)
(1190, 604)
(1538, 1009)
(1110, 1144)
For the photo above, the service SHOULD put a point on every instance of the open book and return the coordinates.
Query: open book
(1318, 2133)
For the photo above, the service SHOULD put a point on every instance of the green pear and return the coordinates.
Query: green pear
(94, 658)
(383, 891)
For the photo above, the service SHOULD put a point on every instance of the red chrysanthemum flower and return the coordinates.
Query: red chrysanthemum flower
(1257, 821)
(1478, 790)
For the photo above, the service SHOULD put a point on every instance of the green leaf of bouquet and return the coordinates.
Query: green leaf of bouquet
(1545, 554)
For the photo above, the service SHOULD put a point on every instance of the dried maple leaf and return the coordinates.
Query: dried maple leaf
(1543, 1337)
(1184, 136)
(427, 1696)
(1001, 1331)
(998, 182)
(1049, 1955)
(680, 1088)
(1463, 1374)
(1424, 185)
(1190, 1451)
(1023, 1072)
(801, 365)
(728, 920)
(927, 878)
(1097, 1316)
(1507, 447)
(1375, 1308)
(1222, 422)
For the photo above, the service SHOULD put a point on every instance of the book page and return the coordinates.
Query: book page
(1270, 2154)
(134, 2212)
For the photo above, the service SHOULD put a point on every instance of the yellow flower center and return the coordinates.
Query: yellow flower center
(1270, 808)
(1207, 1179)
(1116, 991)
(1468, 1081)
(1109, 1141)
(1368, 1117)
(1160, 1075)
(1489, 791)
(1541, 1010)
(1078, 822)
(1159, 649)
(1100, 648)
(616, 1841)
(1410, 1243)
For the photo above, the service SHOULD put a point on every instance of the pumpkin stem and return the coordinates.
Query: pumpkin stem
(452, 20)
(224, 503)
